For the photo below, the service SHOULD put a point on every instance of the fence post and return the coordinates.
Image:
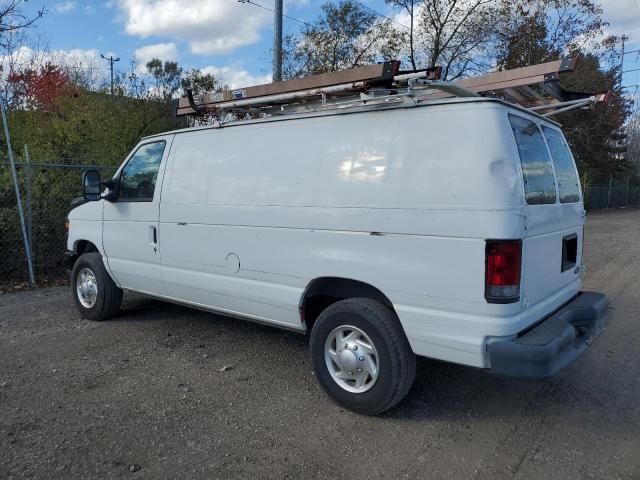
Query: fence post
(609, 194)
(29, 210)
(626, 197)
(32, 279)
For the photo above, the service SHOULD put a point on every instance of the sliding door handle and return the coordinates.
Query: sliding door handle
(153, 236)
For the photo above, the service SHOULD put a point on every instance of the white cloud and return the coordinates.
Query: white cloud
(296, 4)
(72, 58)
(236, 77)
(85, 62)
(623, 17)
(76, 57)
(162, 51)
(209, 26)
(65, 7)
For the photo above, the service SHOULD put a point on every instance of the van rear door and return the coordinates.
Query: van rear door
(552, 244)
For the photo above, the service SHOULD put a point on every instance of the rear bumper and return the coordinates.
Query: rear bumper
(555, 342)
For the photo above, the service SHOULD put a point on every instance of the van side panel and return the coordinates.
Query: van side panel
(402, 199)
(422, 158)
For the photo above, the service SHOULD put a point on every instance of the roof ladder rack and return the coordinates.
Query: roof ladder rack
(536, 87)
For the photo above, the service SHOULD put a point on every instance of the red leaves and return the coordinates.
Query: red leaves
(39, 88)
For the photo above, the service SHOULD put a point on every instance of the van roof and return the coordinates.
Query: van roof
(361, 109)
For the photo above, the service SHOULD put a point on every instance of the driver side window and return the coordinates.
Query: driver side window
(138, 178)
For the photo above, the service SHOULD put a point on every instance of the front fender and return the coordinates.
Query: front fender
(85, 224)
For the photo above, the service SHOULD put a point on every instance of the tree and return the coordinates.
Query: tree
(526, 44)
(346, 35)
(199, 82)
(633, 137)
(13, 24)
(38, 89)
(455, 34)
(598, 138)
(13, 21)
(537, 31)
(166, 78)
(408, 6)
(89, 127)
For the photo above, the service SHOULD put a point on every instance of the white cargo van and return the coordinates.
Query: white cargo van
(451, 229)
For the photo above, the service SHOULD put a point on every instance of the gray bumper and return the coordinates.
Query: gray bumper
(555, 342)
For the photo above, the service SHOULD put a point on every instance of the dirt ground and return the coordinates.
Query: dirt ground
(168, 392)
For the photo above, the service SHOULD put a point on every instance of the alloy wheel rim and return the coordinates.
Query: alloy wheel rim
(352, 359)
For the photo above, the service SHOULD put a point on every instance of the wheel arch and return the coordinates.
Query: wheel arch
(79, 247)
(322, 292)
(84, 246)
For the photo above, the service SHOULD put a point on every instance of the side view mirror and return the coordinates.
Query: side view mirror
(91, 185)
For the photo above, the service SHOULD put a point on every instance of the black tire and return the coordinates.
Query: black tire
(109, 296)
(396, 360)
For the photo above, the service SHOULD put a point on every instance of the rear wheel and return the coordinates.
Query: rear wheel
(361, 355)
(95, 294)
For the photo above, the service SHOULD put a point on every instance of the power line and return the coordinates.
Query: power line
(251, 2)
(381, 14)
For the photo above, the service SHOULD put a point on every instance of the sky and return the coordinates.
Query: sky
(225, 37)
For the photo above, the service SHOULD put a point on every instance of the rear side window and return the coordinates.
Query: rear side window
(568, 183)
(537, 172)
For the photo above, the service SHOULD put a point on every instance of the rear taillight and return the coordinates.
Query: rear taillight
(502, 271)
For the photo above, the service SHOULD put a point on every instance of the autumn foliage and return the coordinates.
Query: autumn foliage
(40, 88)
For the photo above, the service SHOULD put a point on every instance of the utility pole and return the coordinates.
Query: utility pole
(277, 36)
(111, 59)
(277, 41)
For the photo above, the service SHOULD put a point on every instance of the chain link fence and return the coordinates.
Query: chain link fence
(606, 197)
(46, 190)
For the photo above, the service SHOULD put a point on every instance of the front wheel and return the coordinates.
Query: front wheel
(361, 355)
(95, 294)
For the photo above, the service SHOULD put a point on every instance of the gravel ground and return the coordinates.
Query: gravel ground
(168, 392)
